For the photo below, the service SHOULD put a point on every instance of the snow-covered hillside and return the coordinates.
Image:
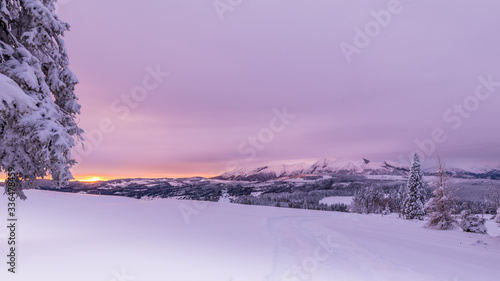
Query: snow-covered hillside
(76, 237)
(347, 200)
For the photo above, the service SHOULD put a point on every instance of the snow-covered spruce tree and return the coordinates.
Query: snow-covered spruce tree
(442, 204)
(37, 100)
(413, 206)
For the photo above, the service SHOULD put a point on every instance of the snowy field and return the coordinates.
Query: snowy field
(90, 238)
(337, 200)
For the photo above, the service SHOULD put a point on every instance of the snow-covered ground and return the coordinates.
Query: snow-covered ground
(336, 200)
(386, 177)
(492, 226)
(81, 237)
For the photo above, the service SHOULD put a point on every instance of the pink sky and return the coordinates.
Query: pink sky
(228, 77)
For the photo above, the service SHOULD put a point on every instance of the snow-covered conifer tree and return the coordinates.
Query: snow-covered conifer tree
(413, 206)
(37, 100)
(442, 204)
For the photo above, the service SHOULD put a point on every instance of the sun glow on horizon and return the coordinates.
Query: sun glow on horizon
(91, 179)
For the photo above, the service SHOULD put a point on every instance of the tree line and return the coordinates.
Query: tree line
(437, 201)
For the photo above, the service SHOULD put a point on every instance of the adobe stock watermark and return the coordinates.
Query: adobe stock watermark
(194, 208)
(225, 6)
(372, 29)
(250, 148)
(121, 106)
(255, 143)
(121, 276)
(12, 221)
(306, 268)
(455, 116)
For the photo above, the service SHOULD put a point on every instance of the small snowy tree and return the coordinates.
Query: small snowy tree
(442, 204)
(472, 223)
(224, 198)
(38, 105)
(413, 206)
(386, 211)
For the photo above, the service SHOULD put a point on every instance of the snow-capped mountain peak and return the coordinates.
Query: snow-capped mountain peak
(342, 166)
(334, 166)
(266, 172)
(323, 166)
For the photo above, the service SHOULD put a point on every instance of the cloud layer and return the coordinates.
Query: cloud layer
(227, 77)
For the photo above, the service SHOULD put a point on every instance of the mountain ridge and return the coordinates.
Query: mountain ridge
(341, 166)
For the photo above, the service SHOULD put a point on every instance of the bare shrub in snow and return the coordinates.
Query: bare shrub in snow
(472, 223)
(441, 206)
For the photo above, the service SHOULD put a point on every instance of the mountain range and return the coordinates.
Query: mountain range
(285, 183)
(342, 166)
